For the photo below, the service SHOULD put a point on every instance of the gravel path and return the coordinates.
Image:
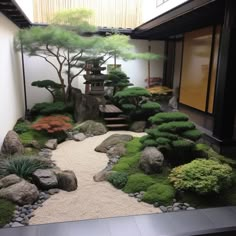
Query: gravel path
(92, 199)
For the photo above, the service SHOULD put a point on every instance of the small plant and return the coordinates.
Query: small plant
(53, 124)
(49, 85)
(27, 137)
(118, 179)
(138, 182)
(7, 211)
(23, 166)
(161, 193)
(46, 108)
(201, 176)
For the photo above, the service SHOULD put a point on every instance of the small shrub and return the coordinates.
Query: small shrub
(165, 117)
(118, 179)
(132, 92)
(53, 124)
(192, 134)
(6, 212)
(23, 166)
(46, 108)
(155, 133)
(138, 182)
(161, 193)
(128, 107)
(21, 127)
(149, 143)
(182, 145)
(176, 126)
(201, 176)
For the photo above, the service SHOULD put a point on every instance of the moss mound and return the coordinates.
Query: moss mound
(138, 182)
(161, 193)
(6, 211)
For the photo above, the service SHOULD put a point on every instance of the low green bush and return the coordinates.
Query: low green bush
(21, 127)
(163, 141)
(118, 179)
(6, 212)
(128, 107)
(192, 134)
(201, 176)
(23, 166)
(155, 133)
(182, 145)
(149, 143)
(138, 182)
(164, 117)
(161, 193)
(176, 126)
(46, 108)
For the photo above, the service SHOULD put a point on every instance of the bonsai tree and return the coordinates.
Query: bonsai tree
(68, 43)
(134, 101)
(174, 135)
(51, 86)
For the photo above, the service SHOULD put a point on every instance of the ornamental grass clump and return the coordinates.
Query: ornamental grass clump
(201, 176)
(23, 166)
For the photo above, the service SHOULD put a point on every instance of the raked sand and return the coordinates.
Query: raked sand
(92, 199)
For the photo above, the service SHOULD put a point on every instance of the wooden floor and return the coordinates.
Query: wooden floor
(109, 109)
(214, 221)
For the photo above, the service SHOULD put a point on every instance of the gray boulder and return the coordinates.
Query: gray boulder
(66, 180)
(112, 141)
(51, 144)
(12, 144)
(9, 180)
(45, 179)
(79, 137)
(151, 160)
(91, 127)
(86, 107)
(138, 126)
(21, 193)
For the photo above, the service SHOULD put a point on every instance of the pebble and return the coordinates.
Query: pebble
(53, 191)
(139, 200)
(19, 219)
(190, 208)
(16, 224)
(163, 208)
(156, 204)
(131, 194)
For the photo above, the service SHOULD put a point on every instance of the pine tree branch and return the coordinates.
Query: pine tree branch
(45, 58)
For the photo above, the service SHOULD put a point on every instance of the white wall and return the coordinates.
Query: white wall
(151, 10)
(37, 69)
(27, 8)
(11, 82)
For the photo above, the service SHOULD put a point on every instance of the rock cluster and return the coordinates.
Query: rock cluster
(22, 214)
(177, 206)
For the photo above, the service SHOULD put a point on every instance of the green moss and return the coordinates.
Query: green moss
(6, 212)
(161, 193)
(121, 167)
(164, 117)
(138, 182)
(176, 126)
(21, 127)
(27, 137)
(193, 134)
(118, 179)
(133, 146)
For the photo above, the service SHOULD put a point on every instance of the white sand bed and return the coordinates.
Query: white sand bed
(92, 199)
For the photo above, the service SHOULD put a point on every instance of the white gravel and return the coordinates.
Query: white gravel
(92, 199)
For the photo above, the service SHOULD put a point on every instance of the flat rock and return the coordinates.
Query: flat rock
(16, 224)
(51, 144)
(9, 180)
(116, 151)
(45, 179)
(12, 144)
(21, 193)
(53, 191)
(112, 141)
